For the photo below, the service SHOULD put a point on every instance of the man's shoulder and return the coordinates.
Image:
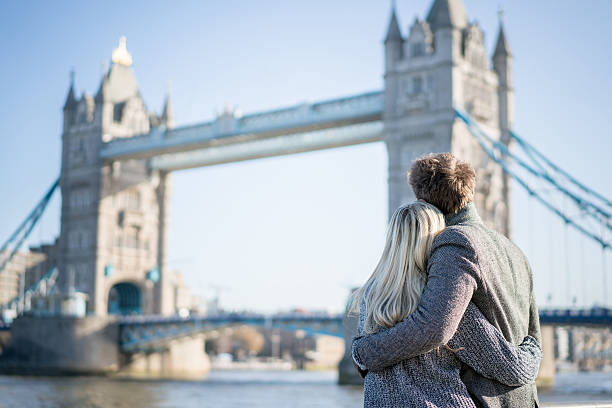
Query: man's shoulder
(482, 242)
(509, 247)
(455, 239)
(455, 234)
(474, 235)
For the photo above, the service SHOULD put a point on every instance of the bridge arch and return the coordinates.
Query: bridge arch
(125, 298)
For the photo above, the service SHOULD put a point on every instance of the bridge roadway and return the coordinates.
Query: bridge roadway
(231, 137)
(148, 333)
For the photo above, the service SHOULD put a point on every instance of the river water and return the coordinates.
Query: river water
(231, 389)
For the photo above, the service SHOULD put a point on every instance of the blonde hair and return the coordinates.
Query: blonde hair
(394, 289)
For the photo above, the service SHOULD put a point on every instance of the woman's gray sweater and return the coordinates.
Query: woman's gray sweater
(432, 379)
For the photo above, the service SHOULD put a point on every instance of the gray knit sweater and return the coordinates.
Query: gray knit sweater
(467, 262)
(432, 380)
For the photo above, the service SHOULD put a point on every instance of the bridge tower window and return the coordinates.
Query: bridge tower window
(417, 85)
(133, 237)
(132, 200)
(418, 50)
(118, 109)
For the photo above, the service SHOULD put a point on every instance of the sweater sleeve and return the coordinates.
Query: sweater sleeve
(450, 285)
(363, 371)
(480, 345)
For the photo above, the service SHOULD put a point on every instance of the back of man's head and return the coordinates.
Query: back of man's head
(442, 180)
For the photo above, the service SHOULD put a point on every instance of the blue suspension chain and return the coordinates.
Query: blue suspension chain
(26, 227)
(528, 147)
(480, 137)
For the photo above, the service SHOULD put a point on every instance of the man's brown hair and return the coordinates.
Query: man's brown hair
(442, 180)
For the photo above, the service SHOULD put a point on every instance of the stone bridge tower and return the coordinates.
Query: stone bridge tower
(441, 63)
(113, 216)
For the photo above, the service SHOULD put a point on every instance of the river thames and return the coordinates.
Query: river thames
(231, 389)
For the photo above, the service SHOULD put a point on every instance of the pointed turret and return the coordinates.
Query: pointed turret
(502, 64)
(501, 48)
(394, 34)
(447, 14)
(167, 116)
(394, 42)
(71, 101)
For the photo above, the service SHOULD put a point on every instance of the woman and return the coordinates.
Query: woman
(393, 292)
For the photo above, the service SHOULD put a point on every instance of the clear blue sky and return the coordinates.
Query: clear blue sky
(297, 230)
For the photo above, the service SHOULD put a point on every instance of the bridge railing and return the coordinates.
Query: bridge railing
(577, 317)
(138, 333)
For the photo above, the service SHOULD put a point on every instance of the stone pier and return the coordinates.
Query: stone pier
(180, 359)
(347, 373)
(60, 345)
(546, 375)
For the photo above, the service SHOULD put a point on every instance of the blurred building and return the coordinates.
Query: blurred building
(306, 351)
(43, 258)
(583, 348)
(183, 301)
(327, 351)
(10, 278)
(24, 270)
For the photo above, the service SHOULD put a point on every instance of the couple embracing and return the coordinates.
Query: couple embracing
(448, 317)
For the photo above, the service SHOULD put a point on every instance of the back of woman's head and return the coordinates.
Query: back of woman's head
(394, 289)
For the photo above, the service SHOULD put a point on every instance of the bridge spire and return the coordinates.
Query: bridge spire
(70, 98)
(121, 55)
(501, 46)
(394, 34)
(394, 43)
(167, 116)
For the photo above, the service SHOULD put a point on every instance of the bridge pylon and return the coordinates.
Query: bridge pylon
(113, 215)
(441, 63)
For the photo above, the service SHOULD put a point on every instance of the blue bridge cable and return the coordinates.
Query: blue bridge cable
(581, 202)
(605, 218)
(26, 227)
(531, 152)
(479, 136)
(528, 147)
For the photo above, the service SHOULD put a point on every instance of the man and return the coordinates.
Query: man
(467, 262)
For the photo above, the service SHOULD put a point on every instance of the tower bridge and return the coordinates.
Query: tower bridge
(441, 94)
(117, 156)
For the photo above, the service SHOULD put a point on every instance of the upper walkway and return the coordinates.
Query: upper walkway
(230, 137)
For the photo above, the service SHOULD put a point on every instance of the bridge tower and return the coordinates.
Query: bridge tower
(113, 216)
(439, 64)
